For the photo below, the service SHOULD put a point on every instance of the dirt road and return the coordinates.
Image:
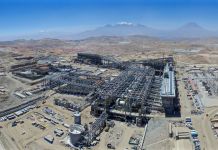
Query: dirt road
(203, 126)
(2, 146)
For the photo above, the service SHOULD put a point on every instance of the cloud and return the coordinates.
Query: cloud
(125, 23)
(43, 31)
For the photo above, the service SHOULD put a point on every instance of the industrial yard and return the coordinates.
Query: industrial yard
(108, 75)
(99, 101)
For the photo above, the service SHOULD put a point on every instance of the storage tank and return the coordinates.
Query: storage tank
(75, 132)
(122, 103)
(77, 118)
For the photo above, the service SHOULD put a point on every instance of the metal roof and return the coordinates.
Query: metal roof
(168, 83)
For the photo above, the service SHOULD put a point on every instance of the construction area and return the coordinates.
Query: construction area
(99, 102)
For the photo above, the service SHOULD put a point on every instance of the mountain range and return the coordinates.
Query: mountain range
(189, 30)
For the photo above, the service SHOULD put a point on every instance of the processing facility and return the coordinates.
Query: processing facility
(75, 101)
(140, 90)
(168, 92)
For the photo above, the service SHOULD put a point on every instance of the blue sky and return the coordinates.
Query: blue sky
(30, 16)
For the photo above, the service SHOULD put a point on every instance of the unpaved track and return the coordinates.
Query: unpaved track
(203, 126)
(6, 142)
(207, 131)
(2, 146)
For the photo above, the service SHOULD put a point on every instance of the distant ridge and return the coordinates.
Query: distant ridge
(189, 30)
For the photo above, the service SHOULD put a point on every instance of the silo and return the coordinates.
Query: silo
(75, 132)
(77, 118)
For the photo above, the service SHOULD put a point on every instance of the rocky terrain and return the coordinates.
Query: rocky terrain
(184, 50)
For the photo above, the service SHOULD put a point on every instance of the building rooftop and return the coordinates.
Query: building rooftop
(168, 83)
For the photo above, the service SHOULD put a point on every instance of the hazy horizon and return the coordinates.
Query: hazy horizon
(20, 17)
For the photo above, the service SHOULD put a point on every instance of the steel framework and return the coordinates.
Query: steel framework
(104, 61)
(72, 83)
(137, 86)
(96, 128)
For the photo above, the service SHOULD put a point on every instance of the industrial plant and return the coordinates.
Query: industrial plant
(125, 91)
(91, 99)
(141, 90)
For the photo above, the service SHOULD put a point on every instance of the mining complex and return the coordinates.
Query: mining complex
(99, 102)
